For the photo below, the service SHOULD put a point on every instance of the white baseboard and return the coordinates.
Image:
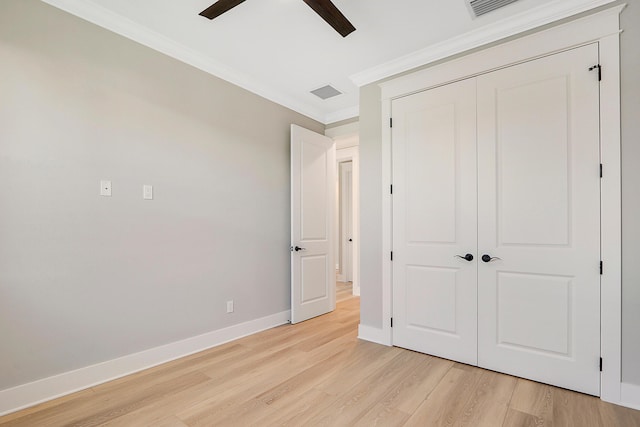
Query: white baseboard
(372, 334)
(26, 395)
(630, 395)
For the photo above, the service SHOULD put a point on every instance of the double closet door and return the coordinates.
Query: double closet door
(496, 221)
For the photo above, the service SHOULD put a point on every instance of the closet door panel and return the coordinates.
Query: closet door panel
(434, 219)
(538, 213)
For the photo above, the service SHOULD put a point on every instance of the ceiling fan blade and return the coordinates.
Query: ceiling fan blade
(330, 13)
(219, 7)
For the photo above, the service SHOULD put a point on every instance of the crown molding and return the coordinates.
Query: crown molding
(347, 131)
(347, 113)
(125, 27)
(513, 25)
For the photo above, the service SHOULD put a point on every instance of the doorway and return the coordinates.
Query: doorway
(344, 266)
(347, 208)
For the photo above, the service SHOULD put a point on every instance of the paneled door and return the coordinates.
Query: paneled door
(496, 220)
(313, 194)
(434, 222)
(539, 220)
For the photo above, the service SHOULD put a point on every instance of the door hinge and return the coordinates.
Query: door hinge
(601, 267)
(599, 68)
(391, 255)
(390, 122)
(392, 327)
(600, 170)
(391, 189)
(601, 364)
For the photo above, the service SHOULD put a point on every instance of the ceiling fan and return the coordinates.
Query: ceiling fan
(325, 8)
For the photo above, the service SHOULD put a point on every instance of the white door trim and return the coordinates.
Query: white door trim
(604, 28)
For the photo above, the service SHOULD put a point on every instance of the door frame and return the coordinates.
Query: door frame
(602, 28)
(345, 221)
(347, 141)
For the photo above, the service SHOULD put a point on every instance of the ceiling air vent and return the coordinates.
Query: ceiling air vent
(480, 7)
(326, 92)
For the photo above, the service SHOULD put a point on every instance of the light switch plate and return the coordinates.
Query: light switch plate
(105, 187)
(147, 192)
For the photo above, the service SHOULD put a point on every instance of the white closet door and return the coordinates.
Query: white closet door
(539, 212)
(434, 219)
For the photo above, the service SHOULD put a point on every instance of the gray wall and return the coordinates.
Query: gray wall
(370, 207)
(371, 197)
(84, 278)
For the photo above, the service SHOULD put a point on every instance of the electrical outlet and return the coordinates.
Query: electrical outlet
(105, 188)
(230, 306)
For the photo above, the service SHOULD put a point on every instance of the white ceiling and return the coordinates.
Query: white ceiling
(281, 49)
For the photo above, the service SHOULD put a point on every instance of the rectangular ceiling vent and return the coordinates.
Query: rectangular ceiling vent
(326, 92)
(481, 7)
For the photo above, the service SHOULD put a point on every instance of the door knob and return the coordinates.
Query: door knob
(351, 240)
(489, 258)
(298, 248)
(467, 257)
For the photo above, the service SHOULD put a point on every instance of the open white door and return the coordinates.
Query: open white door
(313, 169)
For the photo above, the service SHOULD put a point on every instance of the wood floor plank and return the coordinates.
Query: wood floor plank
(404, 397)
(614, 415)
(353, 403)
(140, 400)
(447, 401)
(367, 360)
(488, 405)
(24, 415)
(382, 415)
(409, 394)
(171, 421)
(534, 399)
(287, 413)
(326, 336)
(576, 409)
(318, 373)
(252, 411)
(177, 368)
(165, 408)
(97, 411)
(268, 374)
(516, 418)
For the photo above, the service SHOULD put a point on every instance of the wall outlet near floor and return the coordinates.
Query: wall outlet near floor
(230, 306)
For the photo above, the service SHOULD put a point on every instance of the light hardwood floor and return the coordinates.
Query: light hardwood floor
(319, 373)
(344, 290)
